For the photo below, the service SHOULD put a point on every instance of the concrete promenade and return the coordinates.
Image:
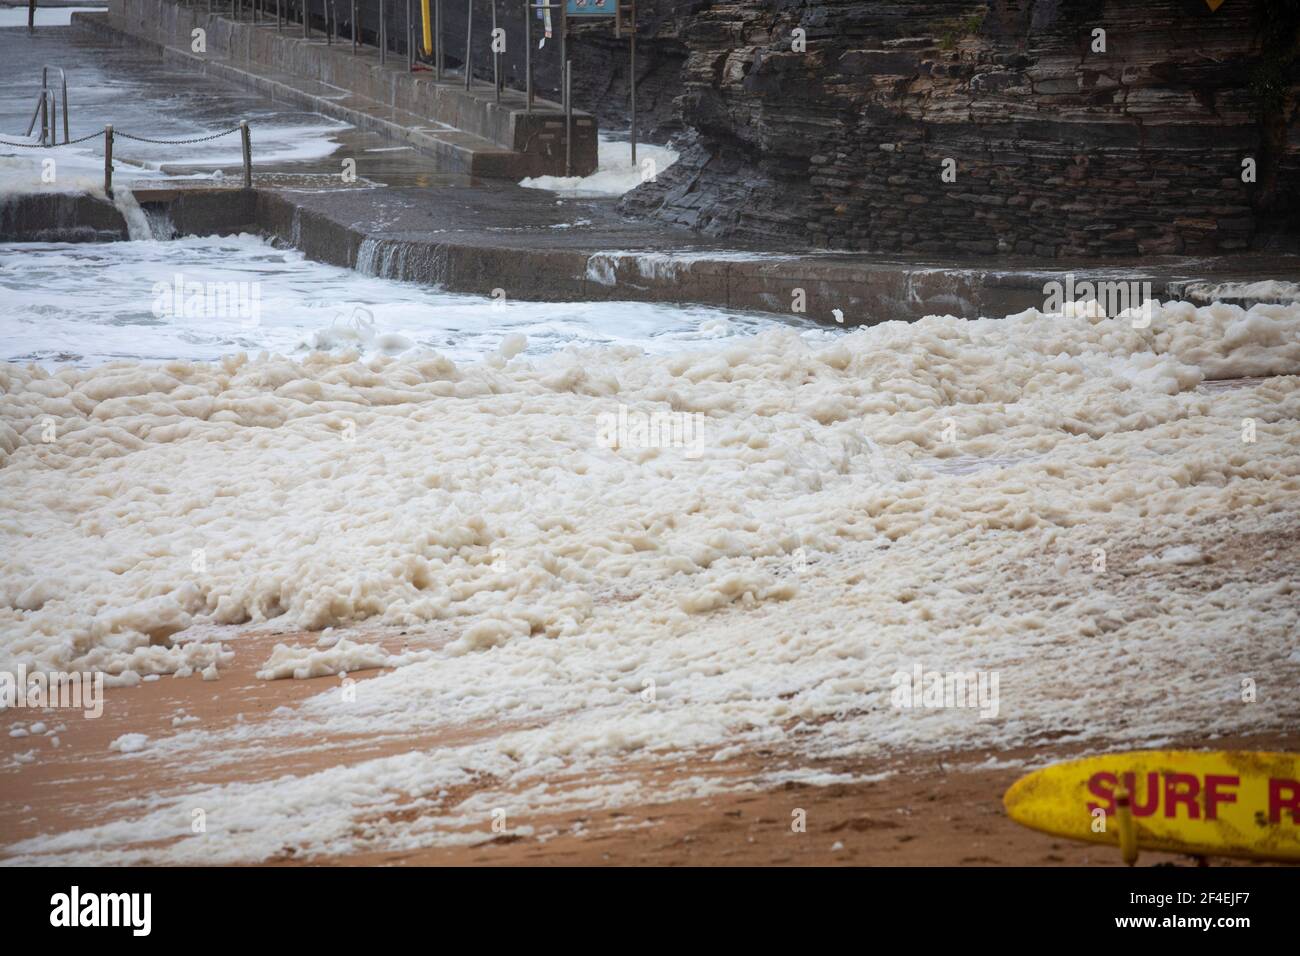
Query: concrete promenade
(465, 130)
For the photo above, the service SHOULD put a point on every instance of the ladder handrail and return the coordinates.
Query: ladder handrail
(63, 76)
(45, 100)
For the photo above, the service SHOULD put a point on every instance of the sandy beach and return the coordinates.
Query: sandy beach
(505, 617)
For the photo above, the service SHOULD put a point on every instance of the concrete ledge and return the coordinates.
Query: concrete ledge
(866, 289)
(469, 131)
(82, 217)
(59, 217)
(208, 212)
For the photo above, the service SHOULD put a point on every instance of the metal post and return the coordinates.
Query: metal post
(410, 47)
(496, 57)
(568, 118)
(383, 32)
(279, 15)
(108, 159)
(564, 41)
(437, 45)
(632, 81)
(36, 114)
(65, 107)
(306, 19)
(354, 27)
(528, 56)
(45, 106)
(248, 154)
(469, 32)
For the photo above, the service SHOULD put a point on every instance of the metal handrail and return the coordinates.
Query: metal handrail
(47, 108)
(469, 46)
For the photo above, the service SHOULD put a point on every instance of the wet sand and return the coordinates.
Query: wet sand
(942, 808)
(935, 807)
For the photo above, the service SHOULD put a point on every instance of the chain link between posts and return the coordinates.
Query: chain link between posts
(72, 142)
(117, 133)
(177, 142)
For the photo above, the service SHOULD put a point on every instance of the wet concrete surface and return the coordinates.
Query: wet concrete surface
(112, 82)
(476, 239)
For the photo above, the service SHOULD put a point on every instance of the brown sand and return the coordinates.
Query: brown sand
(936, 809)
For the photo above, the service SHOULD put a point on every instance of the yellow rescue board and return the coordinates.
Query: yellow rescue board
(1206, 803)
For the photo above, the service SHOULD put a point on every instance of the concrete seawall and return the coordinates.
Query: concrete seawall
(330, 228)
(81, 217)
(466, 131)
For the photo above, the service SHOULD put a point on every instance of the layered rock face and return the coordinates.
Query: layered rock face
(1059, 141)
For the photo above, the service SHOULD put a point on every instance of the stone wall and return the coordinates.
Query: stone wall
(1060, 150)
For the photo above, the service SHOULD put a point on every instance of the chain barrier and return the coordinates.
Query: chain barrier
(111, 134)
(71, 142)
(117, 133)
(176, 142)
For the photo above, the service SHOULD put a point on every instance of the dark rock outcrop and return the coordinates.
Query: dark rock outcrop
(1059, 149)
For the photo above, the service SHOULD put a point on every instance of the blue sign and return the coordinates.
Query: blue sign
(591, 8)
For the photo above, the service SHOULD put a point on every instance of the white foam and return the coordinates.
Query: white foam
(88, 304)
(764, 589)
(615, 174)
(1264, 290)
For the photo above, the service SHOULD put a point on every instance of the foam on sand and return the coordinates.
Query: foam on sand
(765, 586)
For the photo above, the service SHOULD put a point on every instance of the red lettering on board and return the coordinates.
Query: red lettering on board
(1175, 796)
(1097, 787)
(1214, 797)
(1277, 801)
(1152, 802)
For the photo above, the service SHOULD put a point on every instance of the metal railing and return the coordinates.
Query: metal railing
(393, 27)
(388, 33)
(380, 25)
(47, 108)
(378, 22)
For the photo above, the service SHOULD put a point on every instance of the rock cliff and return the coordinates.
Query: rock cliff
(1063, 141)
